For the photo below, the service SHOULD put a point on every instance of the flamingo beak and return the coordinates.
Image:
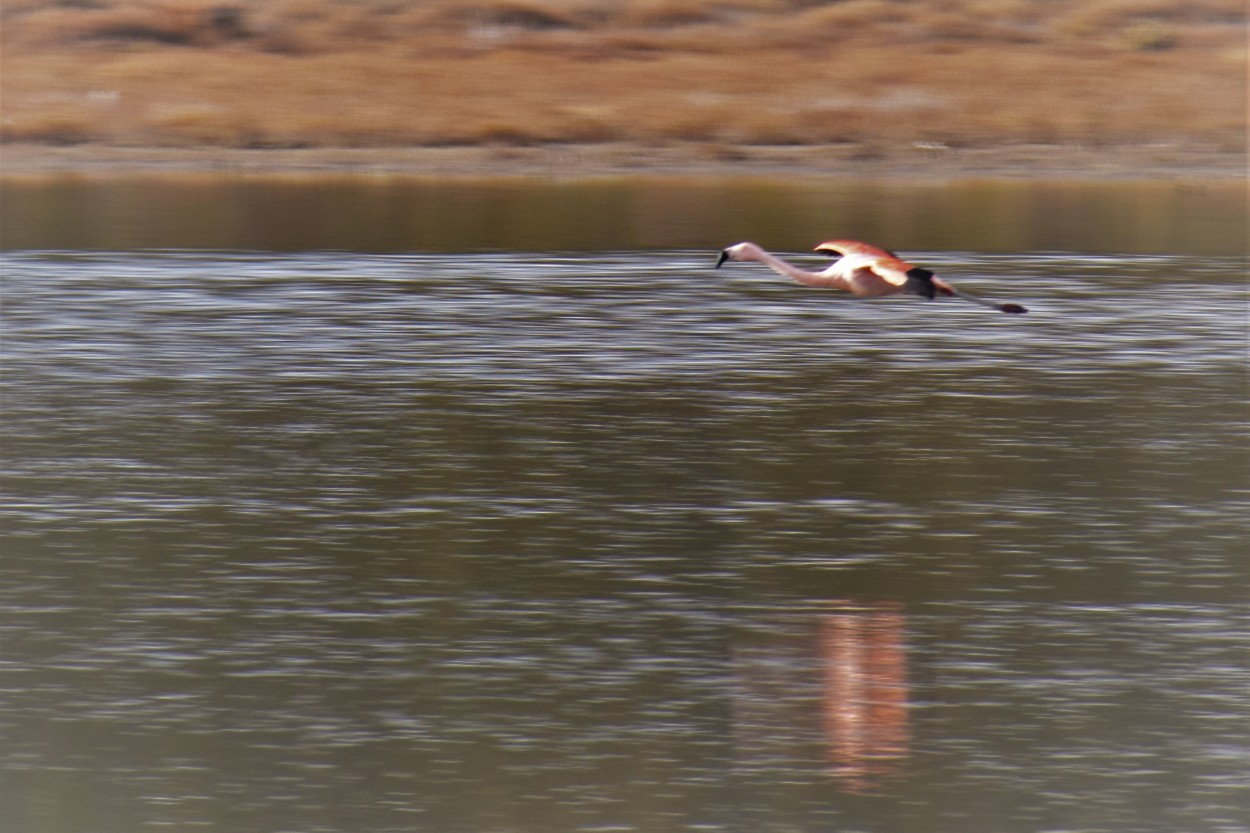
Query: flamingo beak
(724, 255)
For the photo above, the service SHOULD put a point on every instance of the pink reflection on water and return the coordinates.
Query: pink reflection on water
(865, 691)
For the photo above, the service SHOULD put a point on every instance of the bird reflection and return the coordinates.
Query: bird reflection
(832, 681)
(865, 691)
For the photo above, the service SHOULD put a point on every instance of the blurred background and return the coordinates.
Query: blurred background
(356, 503)
(714, 76)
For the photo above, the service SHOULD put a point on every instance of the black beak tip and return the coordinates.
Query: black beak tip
(724, 255)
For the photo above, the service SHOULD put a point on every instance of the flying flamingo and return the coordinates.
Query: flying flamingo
(863, 270)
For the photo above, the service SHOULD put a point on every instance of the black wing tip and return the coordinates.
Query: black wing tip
(920, 282)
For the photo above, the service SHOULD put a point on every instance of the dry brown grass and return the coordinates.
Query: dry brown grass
(724, 73)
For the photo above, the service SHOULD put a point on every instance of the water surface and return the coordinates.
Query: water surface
(610, 540)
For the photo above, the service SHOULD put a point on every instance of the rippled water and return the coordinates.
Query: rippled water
(614, 541)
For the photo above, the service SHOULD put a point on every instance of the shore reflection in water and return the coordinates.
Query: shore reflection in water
(407, 214)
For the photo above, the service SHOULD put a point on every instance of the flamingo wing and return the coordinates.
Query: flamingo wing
(871, 264)
(888, 271)
(842, 248)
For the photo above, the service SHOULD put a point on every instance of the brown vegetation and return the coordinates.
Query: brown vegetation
(722, 73)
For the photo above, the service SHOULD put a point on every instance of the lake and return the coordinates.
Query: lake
(492, 507)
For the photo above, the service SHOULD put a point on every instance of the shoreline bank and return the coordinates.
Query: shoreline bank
(915, 162)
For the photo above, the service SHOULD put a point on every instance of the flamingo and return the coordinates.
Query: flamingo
(863, 270)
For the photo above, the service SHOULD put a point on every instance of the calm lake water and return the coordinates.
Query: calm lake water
(588, 536)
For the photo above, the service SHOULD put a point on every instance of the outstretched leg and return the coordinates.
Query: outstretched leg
(944, 288)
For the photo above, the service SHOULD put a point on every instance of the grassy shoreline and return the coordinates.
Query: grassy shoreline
(585, 87)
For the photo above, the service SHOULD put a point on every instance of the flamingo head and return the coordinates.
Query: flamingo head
(739, 251)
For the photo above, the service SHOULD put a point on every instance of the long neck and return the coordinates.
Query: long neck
(789, 269)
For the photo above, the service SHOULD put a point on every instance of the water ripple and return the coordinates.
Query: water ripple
(553, 542)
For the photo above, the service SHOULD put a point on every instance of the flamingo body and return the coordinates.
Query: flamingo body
(863, 270)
